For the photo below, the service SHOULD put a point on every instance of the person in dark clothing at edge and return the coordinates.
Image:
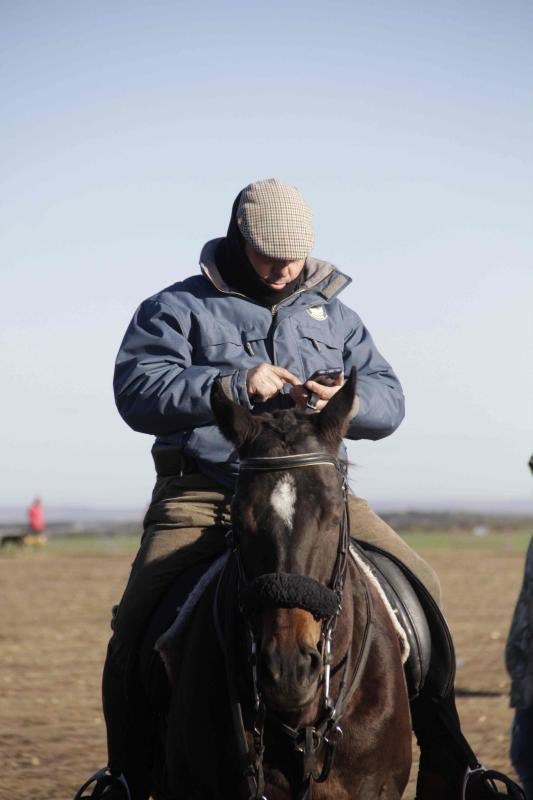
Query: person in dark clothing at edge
(519, 662)
(262, 317)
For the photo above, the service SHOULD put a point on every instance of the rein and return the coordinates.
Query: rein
(310, 741)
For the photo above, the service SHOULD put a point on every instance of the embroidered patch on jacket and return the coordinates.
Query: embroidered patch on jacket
(317, 312)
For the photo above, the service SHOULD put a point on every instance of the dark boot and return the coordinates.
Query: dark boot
(441, 770)
(448, 768)
(522, 748)
(115, 705)
(130, 731)
(130, 726)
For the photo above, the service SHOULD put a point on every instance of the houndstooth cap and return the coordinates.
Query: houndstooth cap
(274, 218)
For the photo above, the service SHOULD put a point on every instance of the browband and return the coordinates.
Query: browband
(271, 463)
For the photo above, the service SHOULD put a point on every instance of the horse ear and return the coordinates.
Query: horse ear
(333, 420)
(235, 421)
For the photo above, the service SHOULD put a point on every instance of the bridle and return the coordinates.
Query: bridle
(322, 601)
(325, 603)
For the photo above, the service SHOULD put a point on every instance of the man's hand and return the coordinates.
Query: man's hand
(301, 394)
(266, 381)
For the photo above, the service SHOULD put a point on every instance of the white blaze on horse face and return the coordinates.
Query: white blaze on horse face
(283, 499)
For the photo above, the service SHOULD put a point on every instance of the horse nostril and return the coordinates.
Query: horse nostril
(316, 663)
(269, 668)
(291, 670)
(309, 664)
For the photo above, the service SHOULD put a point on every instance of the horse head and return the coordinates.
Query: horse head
(288, 517)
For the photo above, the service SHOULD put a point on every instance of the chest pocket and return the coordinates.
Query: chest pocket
(218, 346)
(227, 346)
(320, 347)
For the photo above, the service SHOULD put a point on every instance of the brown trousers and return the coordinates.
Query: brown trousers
(185, 524)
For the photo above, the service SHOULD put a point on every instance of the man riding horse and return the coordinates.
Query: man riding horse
(262, 318)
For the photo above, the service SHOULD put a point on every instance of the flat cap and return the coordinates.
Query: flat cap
(274, 218)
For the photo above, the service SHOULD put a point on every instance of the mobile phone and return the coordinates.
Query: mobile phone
(327, 377)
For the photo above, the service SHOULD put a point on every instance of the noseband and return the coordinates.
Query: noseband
(324, 602)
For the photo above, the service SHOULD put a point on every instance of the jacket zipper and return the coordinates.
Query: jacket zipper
(273, 310)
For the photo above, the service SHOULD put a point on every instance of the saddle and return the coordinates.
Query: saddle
(431, 652)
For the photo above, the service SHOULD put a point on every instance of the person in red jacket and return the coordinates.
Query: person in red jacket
(36, 521)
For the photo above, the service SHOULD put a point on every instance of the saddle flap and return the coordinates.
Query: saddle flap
(411, 617)
(427, 630)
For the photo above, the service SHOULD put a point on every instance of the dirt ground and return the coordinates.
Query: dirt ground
(54, 626)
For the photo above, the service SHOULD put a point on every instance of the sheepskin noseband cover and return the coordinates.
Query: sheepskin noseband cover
(282, 590)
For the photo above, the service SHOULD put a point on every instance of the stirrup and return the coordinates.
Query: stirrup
(481, 777)
(104, 780)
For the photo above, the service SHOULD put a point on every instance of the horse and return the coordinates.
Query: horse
(288, 681)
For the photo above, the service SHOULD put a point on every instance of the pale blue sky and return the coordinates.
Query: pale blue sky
(127, 129)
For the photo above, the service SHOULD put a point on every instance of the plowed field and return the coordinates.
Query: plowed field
(54, 626)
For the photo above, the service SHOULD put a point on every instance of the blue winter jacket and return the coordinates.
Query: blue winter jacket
(183, 338)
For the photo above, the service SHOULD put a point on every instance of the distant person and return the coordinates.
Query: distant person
(519, 662)
(36, 522)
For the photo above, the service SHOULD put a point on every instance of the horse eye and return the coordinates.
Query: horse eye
(245, 521)
(250, 527)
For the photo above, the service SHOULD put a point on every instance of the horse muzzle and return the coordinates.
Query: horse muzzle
(289, 661)
(288, 610)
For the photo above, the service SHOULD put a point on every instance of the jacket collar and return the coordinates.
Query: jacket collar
(319, 275)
